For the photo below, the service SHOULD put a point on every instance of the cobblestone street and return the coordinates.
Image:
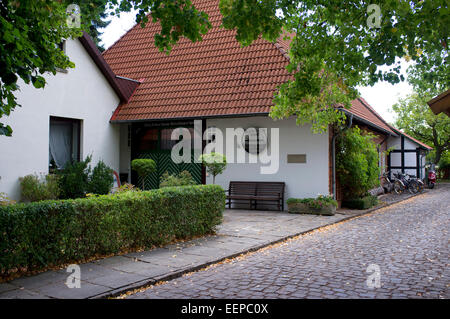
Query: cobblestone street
(408, 241)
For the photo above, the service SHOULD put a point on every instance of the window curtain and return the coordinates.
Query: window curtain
(61, 143)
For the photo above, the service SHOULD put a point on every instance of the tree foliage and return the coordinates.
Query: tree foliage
(416, 118)
(215, 163)
(94, 14)
(336, 45)
(357, 163)
(143, 167)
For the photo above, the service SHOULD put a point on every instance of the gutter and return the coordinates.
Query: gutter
(368, 123)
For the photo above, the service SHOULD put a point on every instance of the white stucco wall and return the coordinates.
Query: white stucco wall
(82, 93)
(302, 180)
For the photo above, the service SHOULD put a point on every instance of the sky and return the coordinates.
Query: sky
(381, 96)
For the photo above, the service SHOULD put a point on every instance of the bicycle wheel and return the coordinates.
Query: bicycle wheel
(398, 188)
(413, 187)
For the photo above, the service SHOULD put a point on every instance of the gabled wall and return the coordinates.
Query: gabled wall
(81, 93)
(411, 158)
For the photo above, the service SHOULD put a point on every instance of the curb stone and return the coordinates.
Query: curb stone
(179, 273)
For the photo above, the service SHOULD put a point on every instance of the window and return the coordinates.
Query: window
(148, 140)
(166, 138)
(64, 141)
(62, 47)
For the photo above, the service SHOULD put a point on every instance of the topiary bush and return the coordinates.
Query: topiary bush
(182, 179)
(101, 180)
(357, 163)
(143, 167)
(215, 163)
(36, 188)
(50, 233)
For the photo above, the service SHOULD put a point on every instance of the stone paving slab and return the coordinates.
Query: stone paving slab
(240, 232)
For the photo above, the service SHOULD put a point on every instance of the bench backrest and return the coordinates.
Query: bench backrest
(242, 188)
(270, 188)
(257, 188)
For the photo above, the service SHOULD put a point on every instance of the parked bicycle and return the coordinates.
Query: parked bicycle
(393, 184)
(407, 182)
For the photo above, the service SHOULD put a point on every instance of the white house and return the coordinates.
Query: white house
(69, 119)
(129, 106)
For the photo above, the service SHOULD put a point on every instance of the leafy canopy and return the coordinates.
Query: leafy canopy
(416, 118)
(215, 163)
(336, 45)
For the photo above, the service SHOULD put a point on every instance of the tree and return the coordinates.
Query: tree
(143, 167)
(215, 163)
(30, 34)
(357, 163)
(94, 14)
(336, 45)
(416, 119)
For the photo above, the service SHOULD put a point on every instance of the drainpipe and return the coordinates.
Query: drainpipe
(333, 146)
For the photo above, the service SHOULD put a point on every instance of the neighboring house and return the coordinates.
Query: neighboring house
(214, 81)
(69, 119)
(441, 103)
(407, 155)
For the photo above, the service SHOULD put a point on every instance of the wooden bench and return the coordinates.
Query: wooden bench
(254, 192)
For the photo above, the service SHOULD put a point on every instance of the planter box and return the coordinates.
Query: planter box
(300, 208)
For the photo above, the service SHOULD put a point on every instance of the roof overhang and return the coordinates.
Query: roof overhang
(441, 103)
(368, 123)
(219, 116)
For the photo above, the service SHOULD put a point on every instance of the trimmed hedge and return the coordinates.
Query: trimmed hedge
(361, 203)
(49, 233)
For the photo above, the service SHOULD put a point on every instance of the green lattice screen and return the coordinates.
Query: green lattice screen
(164, 163)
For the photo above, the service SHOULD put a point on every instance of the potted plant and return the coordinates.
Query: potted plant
(322, 205)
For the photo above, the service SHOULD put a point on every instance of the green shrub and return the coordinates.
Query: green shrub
(318, 202)
(126, 188)
(143, 167)
(101, 180)
(74, 179)
(357, 163)
(36, 188)
(182, 179)
(215, 163)
(361, 203)
(51, 233)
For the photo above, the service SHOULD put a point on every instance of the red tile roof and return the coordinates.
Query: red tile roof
(214, 77)
(364, 111)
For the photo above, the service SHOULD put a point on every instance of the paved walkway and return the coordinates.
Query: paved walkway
(241, 231)
(404, 248)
